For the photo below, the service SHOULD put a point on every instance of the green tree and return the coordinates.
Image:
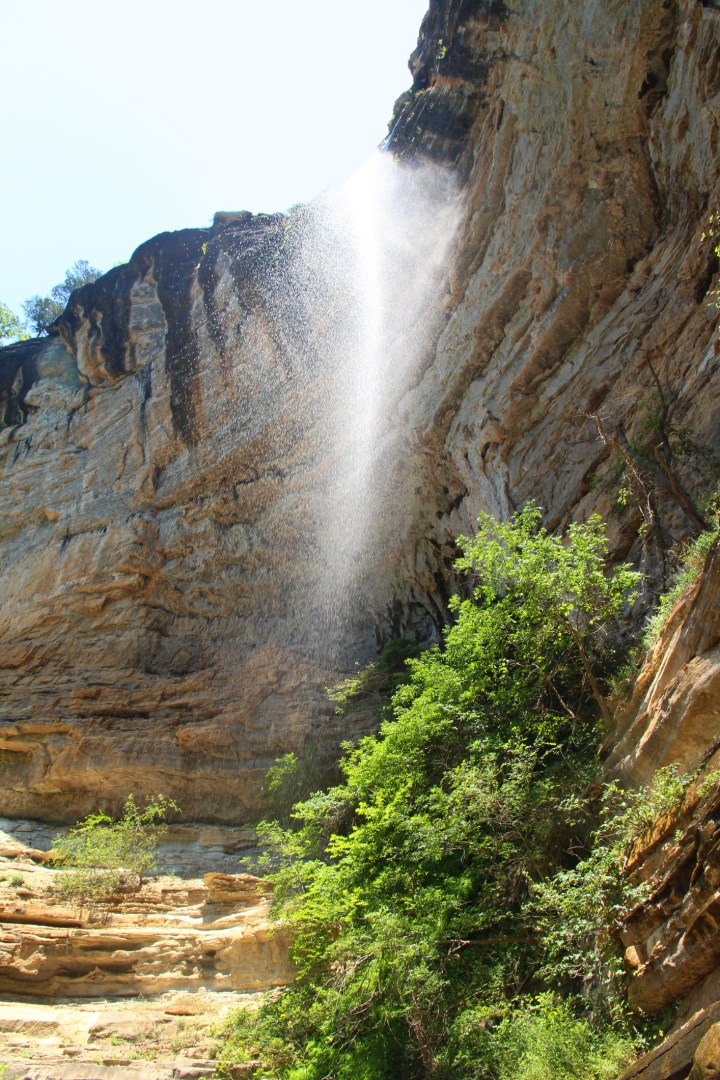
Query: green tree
(408, 887)
(101, 853)
(79, 274)
(578, 910)
(41, 311)
(11, 328)
(552, 593)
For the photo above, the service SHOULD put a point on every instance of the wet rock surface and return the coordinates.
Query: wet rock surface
(166, 616)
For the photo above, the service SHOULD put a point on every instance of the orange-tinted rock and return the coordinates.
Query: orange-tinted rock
(172, 936)
(170, 503)
(706, 1064)
(671, 939)
(672, 715)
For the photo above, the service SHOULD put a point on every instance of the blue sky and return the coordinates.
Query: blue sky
(123, 120)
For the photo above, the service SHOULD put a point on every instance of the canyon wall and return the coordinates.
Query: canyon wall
(670, 936)
(182, 570)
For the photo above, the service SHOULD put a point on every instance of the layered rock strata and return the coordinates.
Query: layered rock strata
(671, 715)
(171, 609)
(179, 935)
(671, 940)
(183, 569)
(134, 984)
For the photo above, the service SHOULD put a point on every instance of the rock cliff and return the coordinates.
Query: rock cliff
(175, 451)
(182, 573)
(670, 938)
(237, 464)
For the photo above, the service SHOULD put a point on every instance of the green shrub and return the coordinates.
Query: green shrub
(101, 854)
(292, 779)
(691, 563)
(546, 1040)
(537, 1038)
(578, 909)
(11, 328)
(408, 888)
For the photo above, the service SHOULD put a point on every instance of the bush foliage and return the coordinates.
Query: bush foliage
(690, 563)
(101, 854)
(412, 889)
(11, 328)
(42, 311)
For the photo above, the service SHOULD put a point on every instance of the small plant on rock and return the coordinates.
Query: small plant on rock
(690, 564)
(101, 854)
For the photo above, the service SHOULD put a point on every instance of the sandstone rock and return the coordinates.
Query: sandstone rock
(192, 1070)
(177, 1046)
(632, 958)
(706, 1062)
(88, 1071)
(672, 716)
(237, 889)
(240, 1072)
(673, 1059)
(142, 982)
(25, 1020)
(185, 1005)
(671, 938)
(171, 936)
(120, 1025)
(176, 459)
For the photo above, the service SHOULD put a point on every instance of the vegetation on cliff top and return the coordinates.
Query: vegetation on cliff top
(422, 891)
(41, 311)
(11, 328)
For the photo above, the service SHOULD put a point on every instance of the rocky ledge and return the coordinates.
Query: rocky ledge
(136, 982)
(671, 942)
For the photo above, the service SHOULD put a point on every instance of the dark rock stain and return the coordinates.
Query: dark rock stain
(433, 119)
(173, 259)
(18, 372)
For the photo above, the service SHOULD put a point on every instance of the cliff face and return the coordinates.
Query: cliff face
(184, 562)
(670, 938)
(183, 558)
(591, 165)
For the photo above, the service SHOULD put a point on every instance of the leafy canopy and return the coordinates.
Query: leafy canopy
(408, 887)
(11, 328)
(41, 311)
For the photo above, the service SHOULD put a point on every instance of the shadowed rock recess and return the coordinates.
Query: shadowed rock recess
(206, 516)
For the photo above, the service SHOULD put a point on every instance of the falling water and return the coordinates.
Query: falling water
(394, 224)
(330, 316)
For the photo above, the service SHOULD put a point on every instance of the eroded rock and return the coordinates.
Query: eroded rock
(671, 938)
(172, 492)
